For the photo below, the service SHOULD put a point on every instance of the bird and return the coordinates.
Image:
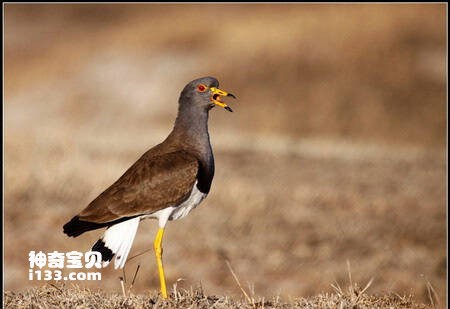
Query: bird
(165, 183)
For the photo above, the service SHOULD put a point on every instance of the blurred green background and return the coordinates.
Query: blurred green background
(335, 151)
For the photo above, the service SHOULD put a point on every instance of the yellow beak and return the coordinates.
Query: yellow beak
(215, 98)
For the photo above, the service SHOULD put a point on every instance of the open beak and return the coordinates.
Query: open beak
(215, 98)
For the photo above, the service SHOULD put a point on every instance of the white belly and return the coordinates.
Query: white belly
(178, 212)
(194, 199)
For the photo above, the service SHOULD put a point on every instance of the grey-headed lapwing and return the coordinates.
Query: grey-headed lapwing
(166, 183)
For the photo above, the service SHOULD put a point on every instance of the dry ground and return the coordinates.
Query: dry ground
(58, 296)
(287, 222)
(335, 152)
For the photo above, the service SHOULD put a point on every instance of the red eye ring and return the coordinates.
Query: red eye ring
(201, 88)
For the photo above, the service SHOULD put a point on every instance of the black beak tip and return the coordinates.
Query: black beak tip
(231, 95)
(228, 109)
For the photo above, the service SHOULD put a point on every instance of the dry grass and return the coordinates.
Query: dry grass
(49, 296)
(335, 152)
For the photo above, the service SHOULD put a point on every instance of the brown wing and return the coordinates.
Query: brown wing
(150, 184)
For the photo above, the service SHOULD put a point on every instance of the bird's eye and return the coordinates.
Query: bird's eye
(201, 88)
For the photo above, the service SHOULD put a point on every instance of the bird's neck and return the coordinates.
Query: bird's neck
(190, 133)
(191, 129)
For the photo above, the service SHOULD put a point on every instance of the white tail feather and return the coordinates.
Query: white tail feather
(119, 238)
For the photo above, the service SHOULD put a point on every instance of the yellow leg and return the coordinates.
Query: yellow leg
(158, 253)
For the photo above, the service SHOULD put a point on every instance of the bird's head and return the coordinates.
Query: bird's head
(204, 92)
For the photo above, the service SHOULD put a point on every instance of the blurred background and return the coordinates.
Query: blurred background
(335, 151)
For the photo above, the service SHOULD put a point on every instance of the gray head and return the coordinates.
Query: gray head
(203, 93)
